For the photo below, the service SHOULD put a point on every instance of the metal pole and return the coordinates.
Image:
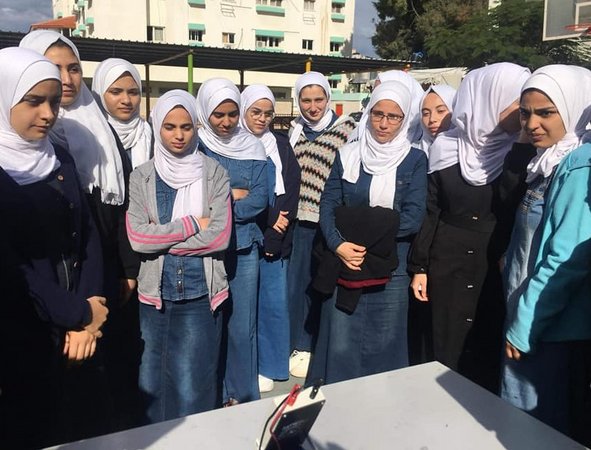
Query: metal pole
(309, 65)
(241, 80)
(190, 75)
(147, 91)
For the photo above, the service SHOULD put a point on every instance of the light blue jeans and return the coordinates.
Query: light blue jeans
(179, 368)
(240, 311)
(273, 320)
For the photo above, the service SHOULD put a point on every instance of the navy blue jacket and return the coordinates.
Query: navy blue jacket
(57, 277)
(409, 200)
(275, 243)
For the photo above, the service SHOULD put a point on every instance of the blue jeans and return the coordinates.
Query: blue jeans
(179, 368)
(371, 340)
(304, 306)
(273, 320)
(240, 311)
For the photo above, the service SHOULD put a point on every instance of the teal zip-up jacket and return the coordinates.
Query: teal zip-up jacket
(556, 305)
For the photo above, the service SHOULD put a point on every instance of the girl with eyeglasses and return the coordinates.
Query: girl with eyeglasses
(245, 159)
(376, 183)
(276, 222)
(455, 254)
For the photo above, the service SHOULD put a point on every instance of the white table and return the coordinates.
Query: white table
(424, 407)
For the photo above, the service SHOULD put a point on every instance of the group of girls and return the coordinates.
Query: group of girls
(448, 226)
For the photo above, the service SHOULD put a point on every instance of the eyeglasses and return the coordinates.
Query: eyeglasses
(257, 114)
(392, 119)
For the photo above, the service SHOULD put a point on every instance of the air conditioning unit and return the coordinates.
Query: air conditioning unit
(228, 45)
(260, 44)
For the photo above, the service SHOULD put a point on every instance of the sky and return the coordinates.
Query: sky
(18, 15)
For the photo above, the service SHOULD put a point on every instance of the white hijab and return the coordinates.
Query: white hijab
(304, 80)
(135, 134)
(25, 161)
(477, 142)
(416, 92)
(569, 88)
(83, 130)
(447, 94)
(240, 144)
(250, 95)
(379, 160)
(185, 172)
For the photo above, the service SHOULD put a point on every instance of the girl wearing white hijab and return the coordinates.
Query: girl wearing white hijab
(436, 109)
(380, 170)
(117, 87)
(453, 255)
(256, 114)
(52, 268)
(416, 92)
(103, 168)
(547, 271)
(179, 219)
(316, 136)
(245, 159)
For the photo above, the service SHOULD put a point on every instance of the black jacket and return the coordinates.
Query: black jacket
(375, 228)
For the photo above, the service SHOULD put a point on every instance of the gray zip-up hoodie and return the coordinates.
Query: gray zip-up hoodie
(181, 237)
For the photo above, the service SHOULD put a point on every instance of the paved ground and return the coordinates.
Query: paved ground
(283, 387)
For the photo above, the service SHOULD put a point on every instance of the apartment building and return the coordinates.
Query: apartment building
(316, 27)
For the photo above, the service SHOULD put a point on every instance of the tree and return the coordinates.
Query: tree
(404, 24)
(396, 34)
(466, 33)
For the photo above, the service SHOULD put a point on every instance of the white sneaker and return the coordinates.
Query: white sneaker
(265, 384)
(299, 363)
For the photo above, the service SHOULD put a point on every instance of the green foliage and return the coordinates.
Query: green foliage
(467, 33)
(396, 34)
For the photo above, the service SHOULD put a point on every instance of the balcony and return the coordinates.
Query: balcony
(337, 17)
(270, 10)
(198, 3)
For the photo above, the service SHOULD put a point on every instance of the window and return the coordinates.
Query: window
(228, 38)
(155, 34)
(335, 46)
(307, 44)
(196, 35)
(267, 41)
(270, 2)
(309, 5)
(336, 8)
(333, 83)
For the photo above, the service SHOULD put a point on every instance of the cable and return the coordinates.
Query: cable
(277, 413)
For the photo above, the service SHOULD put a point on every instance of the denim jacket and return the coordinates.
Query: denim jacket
(245, 174)
(409, 200)
(183, 277)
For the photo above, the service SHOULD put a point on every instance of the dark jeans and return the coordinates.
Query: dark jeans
(304, 302)
(371, 340)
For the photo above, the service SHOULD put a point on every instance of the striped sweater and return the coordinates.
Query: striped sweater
(316, 159)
